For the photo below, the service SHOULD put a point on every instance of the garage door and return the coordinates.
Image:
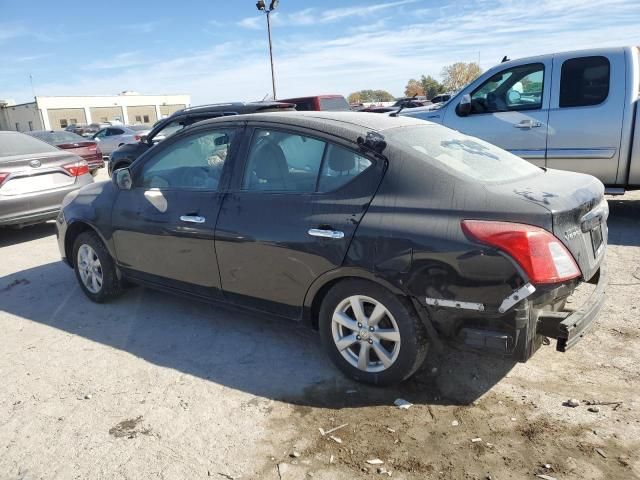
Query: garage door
(106, 114)
(63, 117)
(167, 110)
(142, 114)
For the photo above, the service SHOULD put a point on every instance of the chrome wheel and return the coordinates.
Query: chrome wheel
(89, 268)
(365, 333)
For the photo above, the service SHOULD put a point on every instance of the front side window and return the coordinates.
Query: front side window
(584, 81)
(101, 134)
(112, 132)
(289, 162)
(194, 162)
(514, 89)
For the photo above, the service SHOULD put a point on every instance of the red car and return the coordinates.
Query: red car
(333, 103)
(81, 146)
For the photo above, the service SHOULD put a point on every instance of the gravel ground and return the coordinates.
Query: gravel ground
(155, 386)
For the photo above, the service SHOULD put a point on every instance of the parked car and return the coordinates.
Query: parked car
(93, 128)
(388, 234)
(35, 177)
(332, 103)
(113, 137)
(77, 128)
(87, 149)
(125, 155)
(575, 111)
(445, 97)
(411, 102)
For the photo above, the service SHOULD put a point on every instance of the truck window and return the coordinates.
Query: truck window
(514, 89)
(584, 81)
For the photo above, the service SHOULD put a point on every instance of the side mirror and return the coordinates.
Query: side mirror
(121, 178)
(144, 138)
(464, 107)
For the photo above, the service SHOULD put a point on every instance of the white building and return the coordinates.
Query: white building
(50, 113)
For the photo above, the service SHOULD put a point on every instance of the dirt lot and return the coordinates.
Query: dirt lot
(154, 386)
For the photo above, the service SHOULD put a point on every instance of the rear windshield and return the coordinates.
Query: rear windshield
(57, 138)
(469, 156)
(14, 143)
(335, 104)
(138, 128)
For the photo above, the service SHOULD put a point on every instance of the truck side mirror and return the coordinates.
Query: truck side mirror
(122, 179)
(464, 107)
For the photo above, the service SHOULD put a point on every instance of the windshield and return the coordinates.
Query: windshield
(14, 143)
(462, 154)
(138, 128)
(57, 138)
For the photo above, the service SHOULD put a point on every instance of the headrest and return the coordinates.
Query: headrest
(271, 164)
(341, 160)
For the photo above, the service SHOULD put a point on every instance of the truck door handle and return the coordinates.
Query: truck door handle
(319, 232)
(192, 219)
(528, 124)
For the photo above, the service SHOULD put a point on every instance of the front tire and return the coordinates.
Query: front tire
(95, 269)
(370, 334)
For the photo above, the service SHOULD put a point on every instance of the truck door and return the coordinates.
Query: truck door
(510, 110)
(585, 118)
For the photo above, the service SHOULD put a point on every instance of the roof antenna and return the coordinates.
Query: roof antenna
(505, 59)
(403, 104)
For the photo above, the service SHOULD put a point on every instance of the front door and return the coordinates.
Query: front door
(291, 217)
(164, 226)
(510, 110)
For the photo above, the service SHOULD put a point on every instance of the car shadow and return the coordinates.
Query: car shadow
(12, 236)
(624, 221)
(261, 355)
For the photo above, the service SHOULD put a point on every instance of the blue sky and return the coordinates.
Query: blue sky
(216, 50)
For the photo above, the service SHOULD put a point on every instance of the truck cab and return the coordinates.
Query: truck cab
(570, 111)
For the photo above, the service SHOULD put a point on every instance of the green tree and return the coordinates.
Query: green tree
(459, 74)
(414, 87)
(370, 96)
(430, 86)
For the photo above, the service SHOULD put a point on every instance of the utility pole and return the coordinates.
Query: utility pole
(263, 8)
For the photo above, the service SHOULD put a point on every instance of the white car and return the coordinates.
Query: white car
(113, 137)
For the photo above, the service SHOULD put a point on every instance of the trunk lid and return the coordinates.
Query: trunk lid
(36, 172)
(578, 211)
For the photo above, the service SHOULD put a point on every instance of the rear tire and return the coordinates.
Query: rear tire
(95, 269)
(371, 334)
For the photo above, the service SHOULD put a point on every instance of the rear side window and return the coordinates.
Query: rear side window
(288, 162)
(461, 154)
(21, 144)
(334, 104)
(584, 81)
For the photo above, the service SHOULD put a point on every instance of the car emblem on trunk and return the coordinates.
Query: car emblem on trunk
(35, 163)
(571, 233)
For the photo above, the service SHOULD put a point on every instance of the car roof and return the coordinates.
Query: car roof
(354, 122)
(237, 107)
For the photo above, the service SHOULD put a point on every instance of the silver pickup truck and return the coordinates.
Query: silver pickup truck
(574, 111)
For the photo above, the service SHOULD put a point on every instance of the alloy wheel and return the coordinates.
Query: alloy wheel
(89, 268)
(365, 333)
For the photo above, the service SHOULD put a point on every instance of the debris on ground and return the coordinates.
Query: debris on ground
(455, 423)
(594, 409)
(327, 432)
(601, 452)
(129, 428)
(572, 402)
(87, 397)
(616, 404)
(375, 461)
(476, 440)
(402, 403)
(295, 454)
(546, 477)
(391, 430)
(16, 282)
(335, 439)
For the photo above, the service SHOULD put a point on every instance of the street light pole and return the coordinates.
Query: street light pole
(273, 75)
(263, 8)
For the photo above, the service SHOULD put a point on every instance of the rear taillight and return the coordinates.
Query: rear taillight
(137, 138)
(541, 255)
(77, 168)
(3, 177)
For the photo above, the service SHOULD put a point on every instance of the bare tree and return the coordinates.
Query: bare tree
(414, 87)
(459, 74)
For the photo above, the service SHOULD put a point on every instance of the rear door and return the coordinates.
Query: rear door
(585, 119)
(291, 215)
(164, 226)
(510, 110)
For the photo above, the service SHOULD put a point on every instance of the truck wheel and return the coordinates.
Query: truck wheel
(371, 334)
(95, 269)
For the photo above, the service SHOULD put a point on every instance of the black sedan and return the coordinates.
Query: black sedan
(388, 234)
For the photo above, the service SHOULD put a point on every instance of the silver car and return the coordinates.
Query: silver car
(35, 177)
(112, 137)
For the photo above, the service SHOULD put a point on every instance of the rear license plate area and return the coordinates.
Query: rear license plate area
(596, 239)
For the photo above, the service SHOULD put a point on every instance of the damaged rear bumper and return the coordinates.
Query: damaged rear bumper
(569, 327)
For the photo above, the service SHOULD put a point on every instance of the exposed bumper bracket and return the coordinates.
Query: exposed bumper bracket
(520, 294)
(569, 327)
